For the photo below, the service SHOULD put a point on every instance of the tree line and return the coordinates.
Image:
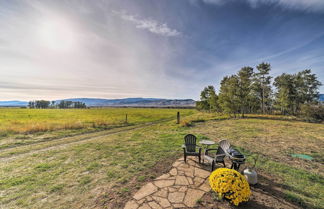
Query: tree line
(251, 91)
(44, 104)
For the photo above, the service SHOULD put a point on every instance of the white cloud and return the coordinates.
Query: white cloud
(149, 24)
(218, 2)
(305, 5)
(308, 5)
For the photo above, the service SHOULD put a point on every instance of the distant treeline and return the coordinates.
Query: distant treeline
(44, 104)
(254, 92)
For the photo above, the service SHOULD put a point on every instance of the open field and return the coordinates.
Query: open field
(101, 169)
(26, 126)
(39, 120)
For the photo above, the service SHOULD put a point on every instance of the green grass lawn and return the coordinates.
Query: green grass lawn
(103, 170)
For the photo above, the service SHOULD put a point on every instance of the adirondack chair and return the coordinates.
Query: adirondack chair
(190, 147)
(235, 156)
(225, 145)
(217, 158)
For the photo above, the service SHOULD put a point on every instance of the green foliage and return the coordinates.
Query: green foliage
(262, 86)
(69, 104)
(251, 92)
(294, 90)
(39, 104)
(245, 93)
(236, 95)
(208, 100)
(313, 113)
(44, 104)
(229, 95)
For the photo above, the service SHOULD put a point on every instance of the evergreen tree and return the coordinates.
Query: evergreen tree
(307, 86)
(286, 93)
(208, 100)
(262, 86)
(245, 81)
(229, 99)
(294, 90)
(31, 104)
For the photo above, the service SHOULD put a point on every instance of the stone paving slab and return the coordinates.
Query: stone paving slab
(181, 187)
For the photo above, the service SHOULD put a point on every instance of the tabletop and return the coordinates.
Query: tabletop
(207, 142)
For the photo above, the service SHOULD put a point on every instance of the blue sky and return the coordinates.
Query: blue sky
(146, 48)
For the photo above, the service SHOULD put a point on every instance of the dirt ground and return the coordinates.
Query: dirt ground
(265, 195)
(114, 199)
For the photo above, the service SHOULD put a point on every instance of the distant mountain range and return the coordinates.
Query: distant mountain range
(127, 102)
(13, 103)
(321, 97)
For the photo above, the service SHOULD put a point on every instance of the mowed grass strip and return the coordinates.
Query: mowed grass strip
(75, 176)
(54, 143)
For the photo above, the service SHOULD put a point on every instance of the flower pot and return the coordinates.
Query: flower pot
(251, 176)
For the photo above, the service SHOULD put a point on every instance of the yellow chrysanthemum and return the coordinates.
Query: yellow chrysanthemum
(230, 184)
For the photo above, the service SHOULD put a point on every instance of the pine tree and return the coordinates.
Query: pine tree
(229, 95)
(245, 80)
(262, 85)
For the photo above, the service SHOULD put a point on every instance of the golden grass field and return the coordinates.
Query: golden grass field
(14, 120)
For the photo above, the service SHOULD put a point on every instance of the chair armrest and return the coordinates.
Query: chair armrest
(207, 150)
(220, 155)
(184, 148)
(212, 149)
(236, 158)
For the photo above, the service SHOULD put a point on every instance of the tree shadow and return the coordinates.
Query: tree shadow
(269, 187)
(278, 118)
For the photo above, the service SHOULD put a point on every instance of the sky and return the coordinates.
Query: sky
(150, 48)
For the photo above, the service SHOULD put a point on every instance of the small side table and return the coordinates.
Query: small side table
(205, 144)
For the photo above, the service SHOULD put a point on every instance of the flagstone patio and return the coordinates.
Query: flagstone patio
(181, 187)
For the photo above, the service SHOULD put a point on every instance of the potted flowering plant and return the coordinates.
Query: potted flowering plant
(230, 184)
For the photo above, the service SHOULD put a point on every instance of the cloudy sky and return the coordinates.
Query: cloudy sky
(150, 48)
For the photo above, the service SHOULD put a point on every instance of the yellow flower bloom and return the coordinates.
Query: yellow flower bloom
(230, 184)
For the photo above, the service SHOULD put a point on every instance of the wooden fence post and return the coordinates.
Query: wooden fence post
(126, 119)
(178, 117)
